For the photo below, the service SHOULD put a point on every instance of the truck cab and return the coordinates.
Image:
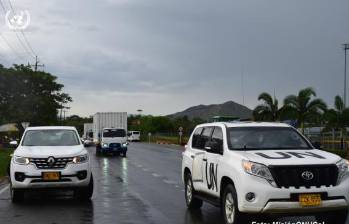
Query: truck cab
(113, 141)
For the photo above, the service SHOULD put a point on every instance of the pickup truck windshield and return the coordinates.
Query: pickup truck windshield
(264, 138)
(50, 138)
(113, 133)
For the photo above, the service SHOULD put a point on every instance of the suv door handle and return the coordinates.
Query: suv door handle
(192, 156)
(205, 160)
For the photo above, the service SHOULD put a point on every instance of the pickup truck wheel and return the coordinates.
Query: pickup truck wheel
(333, 217)
(192, 202)
(16, 195)
(230, 206)
(86, 192)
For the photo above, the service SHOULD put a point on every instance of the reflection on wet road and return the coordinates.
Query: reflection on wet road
(145, 187)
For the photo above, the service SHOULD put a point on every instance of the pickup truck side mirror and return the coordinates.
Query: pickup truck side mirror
(14, 143)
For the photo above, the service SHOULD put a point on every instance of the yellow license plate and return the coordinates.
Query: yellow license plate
(51, 176)
(310, 199)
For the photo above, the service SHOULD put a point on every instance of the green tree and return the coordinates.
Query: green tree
(26, 95)
(268, 110)
(337, 118)
(304, 107)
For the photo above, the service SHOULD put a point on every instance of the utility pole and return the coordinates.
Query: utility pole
(345, 47)
(36, 65)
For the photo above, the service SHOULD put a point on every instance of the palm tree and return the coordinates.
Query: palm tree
(303, 107)
(338, 117)
(268, 110)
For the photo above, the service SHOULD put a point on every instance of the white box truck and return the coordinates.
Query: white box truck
(87, 136)
(110, 132)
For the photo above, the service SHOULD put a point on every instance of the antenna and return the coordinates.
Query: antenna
(242, 85)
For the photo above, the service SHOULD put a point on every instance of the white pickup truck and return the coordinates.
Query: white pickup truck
(50, 157)
(263, 168)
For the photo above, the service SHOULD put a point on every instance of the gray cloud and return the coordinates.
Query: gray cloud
(164, 56)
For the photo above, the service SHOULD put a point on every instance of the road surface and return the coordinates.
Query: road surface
(143, 188)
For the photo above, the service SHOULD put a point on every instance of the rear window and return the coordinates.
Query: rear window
(136, 132)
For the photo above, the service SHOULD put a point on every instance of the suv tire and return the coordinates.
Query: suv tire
(190, 199)
(86, 192)
(230, 207)
(333, 217)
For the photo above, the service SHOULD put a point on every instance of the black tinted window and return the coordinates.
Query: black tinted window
(196, 138)
(205, 137)
(217, 137)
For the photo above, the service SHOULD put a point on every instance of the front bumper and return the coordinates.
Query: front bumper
(270, 199)
(33, 176)
(113, 149)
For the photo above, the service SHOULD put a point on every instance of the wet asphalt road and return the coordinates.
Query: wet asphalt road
(143, 188)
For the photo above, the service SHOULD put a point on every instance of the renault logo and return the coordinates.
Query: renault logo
(51, 161)
(307, 175)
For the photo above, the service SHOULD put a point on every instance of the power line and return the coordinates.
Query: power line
(26, 46)
(24, 37)
(11, 48)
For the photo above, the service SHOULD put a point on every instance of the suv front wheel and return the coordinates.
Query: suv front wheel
(192, 202)
(230, 206)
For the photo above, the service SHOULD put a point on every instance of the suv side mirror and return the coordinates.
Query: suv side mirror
(14, 143)
(214, 147)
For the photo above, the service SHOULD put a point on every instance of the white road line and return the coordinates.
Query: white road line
(4, 189)
(155, 175)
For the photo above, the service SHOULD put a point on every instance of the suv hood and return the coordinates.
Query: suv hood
(291, 157)
(46, 151)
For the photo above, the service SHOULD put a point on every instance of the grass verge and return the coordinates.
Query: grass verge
(4, 160)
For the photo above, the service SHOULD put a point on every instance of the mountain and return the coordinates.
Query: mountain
(206, 112)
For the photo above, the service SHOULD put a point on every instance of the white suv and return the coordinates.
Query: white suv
(263, 168)
(50, 157)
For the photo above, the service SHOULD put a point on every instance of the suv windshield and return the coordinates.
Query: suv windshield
(50, 138)
(112, 133)
(261, 138)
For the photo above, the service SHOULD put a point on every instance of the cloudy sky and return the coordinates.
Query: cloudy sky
(163, 56)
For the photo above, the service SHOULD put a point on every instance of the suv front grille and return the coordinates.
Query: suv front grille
(115, 145)
(44, 163)
(291, 176)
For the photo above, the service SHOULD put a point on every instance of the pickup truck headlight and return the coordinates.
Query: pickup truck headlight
(124, 144)
(258, 170)
(80, 159)
(343, 169)
(21, 160)
(104, 145)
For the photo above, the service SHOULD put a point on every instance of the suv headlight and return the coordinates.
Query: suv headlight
(21, 160)
(80, 159)
(342, 169)
(104, 145)
(258, 170)
(124, 144)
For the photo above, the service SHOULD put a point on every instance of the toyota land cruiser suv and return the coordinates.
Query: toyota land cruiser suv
(50, 157)
(263, 168)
